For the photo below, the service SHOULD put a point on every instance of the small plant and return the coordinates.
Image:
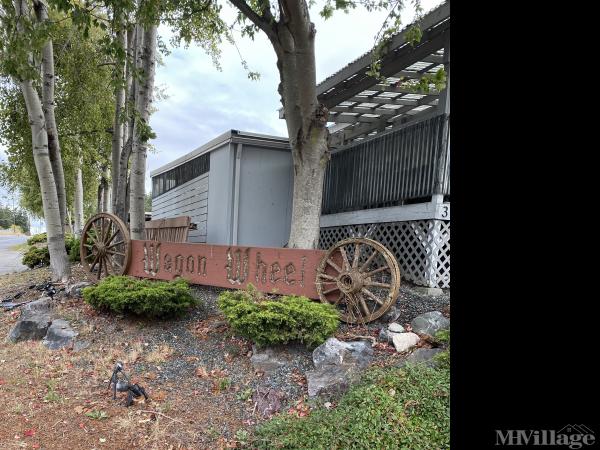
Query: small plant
(37, 238)
(280, 320)
(242, 436)
(52, 395)
(222, 384)
(123, 294)
(245, 395)
(36, 257)
(72, 246)
(97, 414)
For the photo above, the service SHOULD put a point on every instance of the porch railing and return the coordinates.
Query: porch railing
(389, 169)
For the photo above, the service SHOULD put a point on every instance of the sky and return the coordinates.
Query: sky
(203, 103)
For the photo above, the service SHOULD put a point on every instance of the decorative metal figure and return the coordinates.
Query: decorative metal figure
(120, 382)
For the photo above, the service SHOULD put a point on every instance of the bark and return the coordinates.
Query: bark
(78, 202)
(145, 88)
(106, 193)
(293, 39)
(48, 108)
(117, 137)
(59, 263)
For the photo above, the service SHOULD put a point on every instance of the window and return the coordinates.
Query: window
(179, 175)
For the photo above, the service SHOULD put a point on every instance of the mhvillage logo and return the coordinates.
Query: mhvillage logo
(571, 436)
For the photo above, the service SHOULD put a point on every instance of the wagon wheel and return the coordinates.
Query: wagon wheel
(360, 277)
(105, 246)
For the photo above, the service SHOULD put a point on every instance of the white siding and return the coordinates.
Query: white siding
(189, 199)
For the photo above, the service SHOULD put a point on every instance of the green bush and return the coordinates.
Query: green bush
(122, 294)
(35, 256)
(390, 408)
(72, 247)
(278, 321)
(37, 238)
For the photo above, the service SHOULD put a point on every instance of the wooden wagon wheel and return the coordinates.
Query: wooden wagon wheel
(360, 277)
(105, 246)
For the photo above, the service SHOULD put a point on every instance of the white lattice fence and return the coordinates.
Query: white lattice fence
(422, 247)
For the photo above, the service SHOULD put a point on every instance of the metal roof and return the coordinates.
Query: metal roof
(231, 136)
(360, 106)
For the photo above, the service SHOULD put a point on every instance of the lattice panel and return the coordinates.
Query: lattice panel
(422, 247)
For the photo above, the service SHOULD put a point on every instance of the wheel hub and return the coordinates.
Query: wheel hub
(350, 282)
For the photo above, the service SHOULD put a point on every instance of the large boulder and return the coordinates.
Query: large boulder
(430, 323)
(32, 326)
(337, 353)
(337, 365)
(74, 290)
(60, 335)
(41, 306)
(405, 341)
(423, 356)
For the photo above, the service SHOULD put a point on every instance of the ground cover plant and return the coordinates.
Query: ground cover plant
(391, 408)
(149, 298)
(37, 238)
(268, 321)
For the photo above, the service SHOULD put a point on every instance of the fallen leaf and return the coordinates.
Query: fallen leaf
(201, 372)
(29, 433)
(2, 381)
(78, 409)
(159, 396)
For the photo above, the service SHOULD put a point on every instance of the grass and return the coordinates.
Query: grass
(390, 408)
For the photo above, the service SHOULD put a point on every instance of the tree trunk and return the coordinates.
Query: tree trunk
(59, 263)
(293, 39)
(48, 108)
(78, 202)
(306, 119)
(106, 193)
(117, 137)
(141, 135)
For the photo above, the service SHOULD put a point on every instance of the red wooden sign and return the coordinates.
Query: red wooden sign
(272, 270)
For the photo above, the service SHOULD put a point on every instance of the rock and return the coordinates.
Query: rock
(424, 356)
(404, 341)
(74, 290)
(337, 353)
(268, 401)
(269, 359)
(330, 380)
(41, 306)
(433, 292)
(430, 323)
(391, 315)
(395, 328)
(337, 365)
(34, 326)
(59, 335)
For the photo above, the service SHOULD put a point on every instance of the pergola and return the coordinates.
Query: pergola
(360, 106)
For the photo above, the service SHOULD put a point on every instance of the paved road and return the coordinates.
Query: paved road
(10, 261)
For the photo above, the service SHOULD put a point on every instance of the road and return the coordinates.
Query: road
(10, 260)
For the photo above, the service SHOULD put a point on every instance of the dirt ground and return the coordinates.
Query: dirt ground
(197, 372)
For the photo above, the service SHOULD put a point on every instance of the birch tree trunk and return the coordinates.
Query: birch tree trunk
(78, 202)
(117, 137)
(293, 39)
(59, 263)
(106, 193)
(145, 88)
(48, 108)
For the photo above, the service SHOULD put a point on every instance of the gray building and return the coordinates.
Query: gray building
(237, 188)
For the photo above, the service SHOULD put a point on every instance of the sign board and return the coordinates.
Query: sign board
(273, 270)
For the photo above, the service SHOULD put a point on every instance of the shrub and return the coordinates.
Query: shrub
(278, 321)
(37, 238)
(72, 247)
(390, 408)
(35, 257)
(123, 294)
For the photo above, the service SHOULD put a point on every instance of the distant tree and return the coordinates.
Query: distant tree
(148, 202)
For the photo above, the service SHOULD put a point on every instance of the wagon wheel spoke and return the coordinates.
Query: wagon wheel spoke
(334, 265)
(373, 272)
(364, 305)
(372, 296)
(327, 277)
(329, 291)
(368, 261)
(99, 268)
(378, 284)
(94, 262)
(114, 245)
(112, 252)
(345, 261)
(356, 255)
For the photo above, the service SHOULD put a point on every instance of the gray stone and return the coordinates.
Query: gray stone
(395, 328)
(34, 326)
(75, 289)
(268, 359)
(337, 353)
(330, 380)
(41, 306)
(60, 335)
(430, 323)
(268, 401)
(391, 315)
(404, 341)
(433, 292)
(385, 335)
(423, 356)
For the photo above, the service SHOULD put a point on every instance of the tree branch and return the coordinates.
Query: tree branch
(261, 22)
